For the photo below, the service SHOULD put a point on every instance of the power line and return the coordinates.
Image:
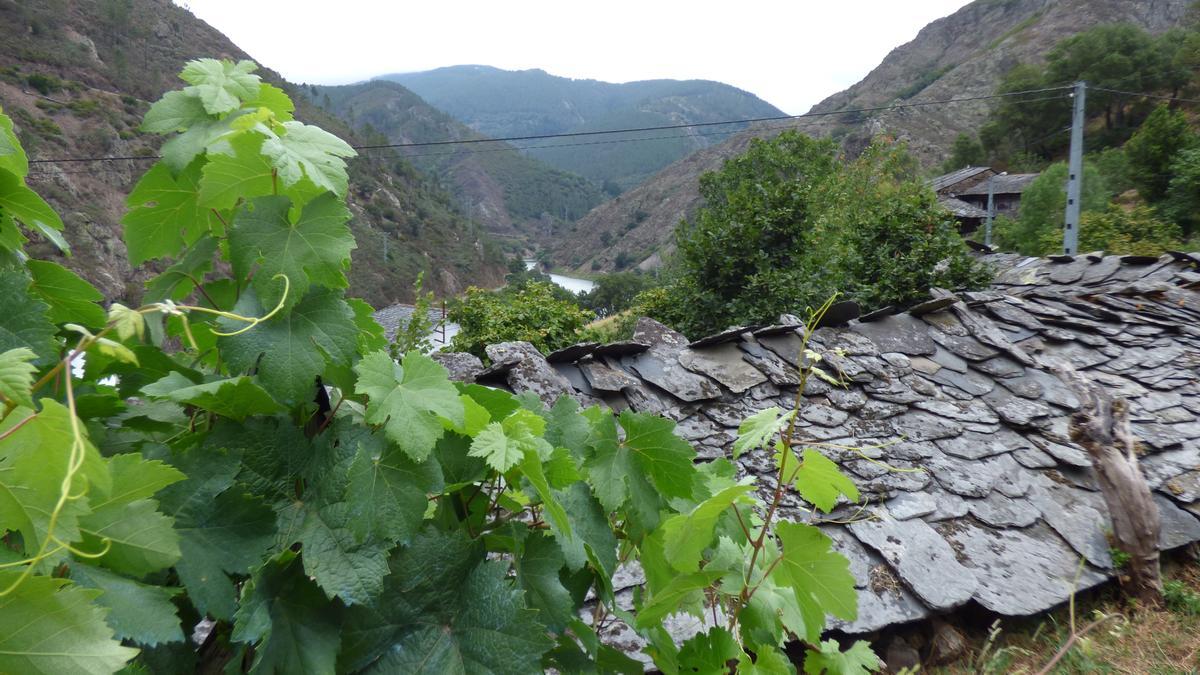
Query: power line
(798, 119)
(1143, 94)
(576, 134)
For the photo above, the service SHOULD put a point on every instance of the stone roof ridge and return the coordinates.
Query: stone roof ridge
(961, 387)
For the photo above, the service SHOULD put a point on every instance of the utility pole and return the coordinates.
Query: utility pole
(1074, 173)
(991, 209)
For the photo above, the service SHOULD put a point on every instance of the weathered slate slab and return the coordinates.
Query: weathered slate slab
(921, 558)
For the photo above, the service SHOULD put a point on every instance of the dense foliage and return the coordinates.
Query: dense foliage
(529, 312)
(789, 223)
(1040, 218)
(243, 449)
(1119, 57)
(615, 293)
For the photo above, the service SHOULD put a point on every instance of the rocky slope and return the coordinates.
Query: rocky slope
(510, 194)
(77, 76)
(959, 56)
(503, 103)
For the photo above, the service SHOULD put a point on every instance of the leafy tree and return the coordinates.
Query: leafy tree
(1043, 208)
(615, 292)
(1018, 124)
(787, 224)
(1113, 56)
(243, 449)
(966, 151)
(1153, 148)
(531, 313)
(1114, 168)
(1183, 193)
(1136, 231)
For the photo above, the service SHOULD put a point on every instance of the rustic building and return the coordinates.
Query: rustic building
(965, 194)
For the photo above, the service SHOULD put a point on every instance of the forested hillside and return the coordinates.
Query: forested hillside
(76, 78)
(511, 194)
(502, 103)
(964, 55)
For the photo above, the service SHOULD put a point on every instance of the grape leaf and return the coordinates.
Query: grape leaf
(663, 456)
(236, 397)
(671, 597)
(307, 151)
(506, 443)
(686, 535)
(12, 157)
(712, 652)
(371, 336)
(182, 150)
(20, 204)
(141, 540)
(757, 430)
(615, 474)
(283, 611)
(136, 611)
(32, 471)
(387, 492)
(858, 660)
(593, 538)
(25, 322)
(71, 299)
(221, 86)
(336, 561)
(178, 280)
(820, 481)
(767, 661)
(164, 213)
(313, 250)
(175, 111)
(819, 576)
(408, 401)
(16, 376)
(444, 609)
(290, 351)
(50, 626)
(239, 172)
(537, 572)
(221, 528)
(274, 99)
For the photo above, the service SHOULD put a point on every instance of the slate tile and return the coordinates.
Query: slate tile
(921, 558)
(1018, 572)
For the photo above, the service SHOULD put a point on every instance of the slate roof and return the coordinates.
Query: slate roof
(996, 505)
(961, 209)
(1013, 183)
(954, 177)
(395, 316)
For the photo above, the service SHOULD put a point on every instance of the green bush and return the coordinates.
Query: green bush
(1154, 147)
(1137, 231)
(1043, 205)
(615, 292)
(788, 223)
(532, 314)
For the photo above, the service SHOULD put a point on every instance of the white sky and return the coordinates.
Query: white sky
(792, 53)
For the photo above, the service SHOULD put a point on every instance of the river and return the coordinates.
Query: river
(570, 283)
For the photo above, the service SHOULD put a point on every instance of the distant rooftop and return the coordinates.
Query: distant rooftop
(1013, 183)
(946, 180)
(962, 209)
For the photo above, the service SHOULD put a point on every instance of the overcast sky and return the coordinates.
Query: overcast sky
(792, 53)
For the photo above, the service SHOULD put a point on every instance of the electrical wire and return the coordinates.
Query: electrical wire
(576, 134)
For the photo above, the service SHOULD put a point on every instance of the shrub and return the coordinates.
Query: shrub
(788, 223)
(532, 314)
(1136, 231)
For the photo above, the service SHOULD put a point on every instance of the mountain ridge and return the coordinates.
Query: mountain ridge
(504, 103)
(78, 76)
(961, 55)
(511, 194)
